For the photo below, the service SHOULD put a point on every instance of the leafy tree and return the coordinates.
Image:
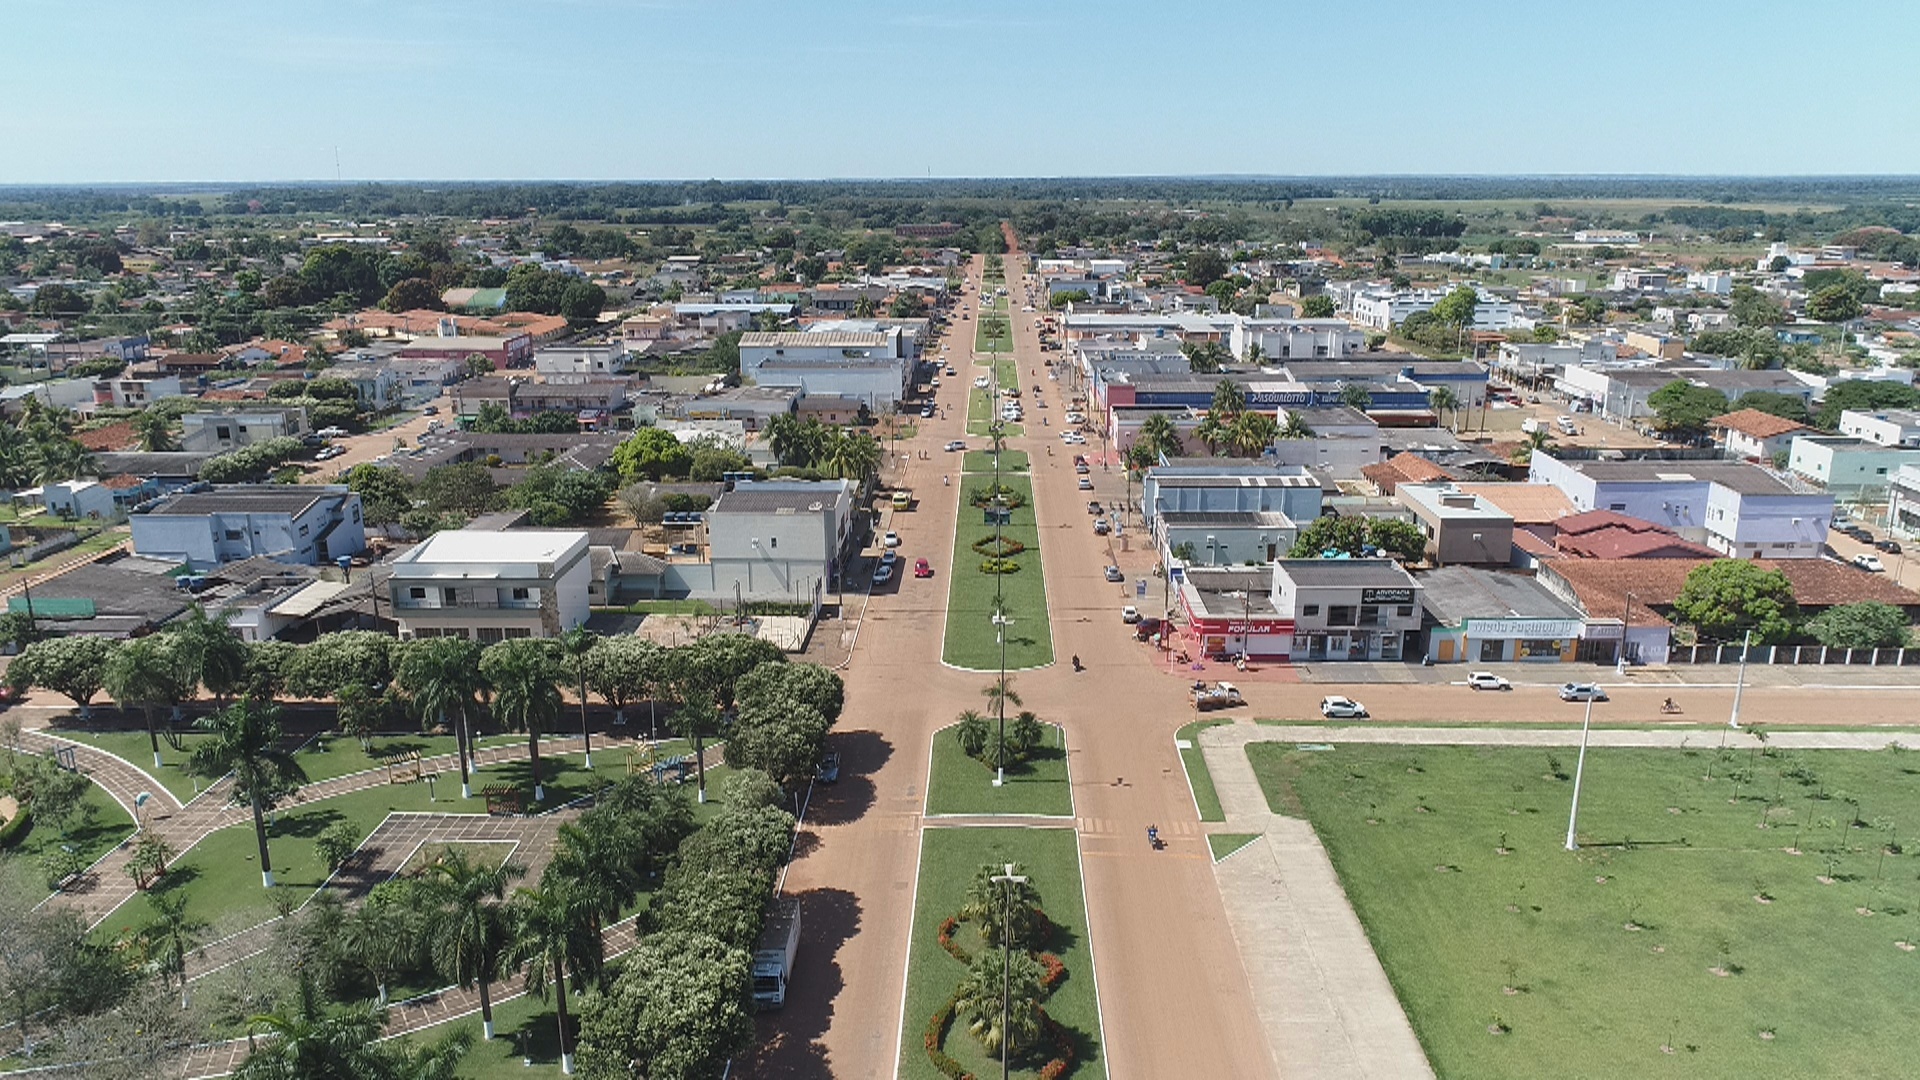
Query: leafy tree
(779, 735)
(623, 670)
(1456, 308)
(1773, 403)
(471, 933)
(776, 685)
(1204, 267)
(1868, 625)
(331, 661)
(1316, 307)
(72, 666)
(652, 454)
(558, 496)
(1354, 535)
(1727, 597)
(1833, 304)
(679, 1010)
(998, 983)
(1752, 308)
(245, 740)
(385, 493)
(1682, 409)
(525, 675)
(412, 294)
(465, 489)
(1863, 395)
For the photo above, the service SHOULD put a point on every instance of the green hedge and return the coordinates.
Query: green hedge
(16, 828)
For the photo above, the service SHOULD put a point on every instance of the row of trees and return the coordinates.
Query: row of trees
(1230, 424)
(1727, 598)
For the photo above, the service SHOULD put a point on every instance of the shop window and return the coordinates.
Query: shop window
(417, 593)
(1369, 615)
(1539, 648)
(1405, 612)
(1340, 614)
(1310, 609)
(1493, 651)
(519, 594)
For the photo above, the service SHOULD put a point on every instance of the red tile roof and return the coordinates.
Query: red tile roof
(1603, 584)
(1605, 534)
(1757, 424)
(1403, 468)
(112, 437)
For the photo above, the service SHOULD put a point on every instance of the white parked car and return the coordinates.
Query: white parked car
(983, 382)
(1870, 563)
(1487, 680)
(332, 433)
(1129, 614)
(892, 539)
(1342, 708)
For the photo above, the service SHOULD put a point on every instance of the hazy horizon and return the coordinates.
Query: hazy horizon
(606, 90)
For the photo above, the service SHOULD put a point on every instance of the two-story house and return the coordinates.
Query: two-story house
(490, 586)
(295, 523)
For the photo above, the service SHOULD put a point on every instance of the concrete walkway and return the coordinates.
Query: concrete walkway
(1324, 1000)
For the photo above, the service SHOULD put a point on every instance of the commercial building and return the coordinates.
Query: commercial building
(490, 586)
(558, 361)
(1348, 609)
(1286, 339)
(1736, 509)
(1460, 527)
(1383, 308)
(1228, 486)
(870, 368)
(1903, 501)
(1223, 538)
(1846, 466)
(778, 540)
(295, 523)
(1486, 617)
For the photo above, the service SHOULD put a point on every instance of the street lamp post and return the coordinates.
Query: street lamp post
(1579, 771)
(1620, 657)
(1740, 681)
(1000, 624)
(1006, 881)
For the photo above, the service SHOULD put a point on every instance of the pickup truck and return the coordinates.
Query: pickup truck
(1219, 696)
(773, 956)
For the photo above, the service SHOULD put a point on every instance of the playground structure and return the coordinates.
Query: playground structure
(645, 760)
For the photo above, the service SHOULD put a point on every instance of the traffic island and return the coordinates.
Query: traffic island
(955, 965)
(1728, 907)
(960, 780)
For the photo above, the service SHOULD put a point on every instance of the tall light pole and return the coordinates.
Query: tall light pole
(1740, 681)
(1579, 770)
(1006, 881)
(1000, 624)
(1620, 658)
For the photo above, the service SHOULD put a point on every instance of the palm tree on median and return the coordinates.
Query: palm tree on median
(442, 676)
(525, 676)
(246, 741)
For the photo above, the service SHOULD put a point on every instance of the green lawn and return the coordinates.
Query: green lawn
(135, 747)
(1225, 844)
(666, 607)
(962, 785)
(970, 639)
(1680, 924)
(981, 461)
(523, 1025)
(948, 861)
(95, 829)
(338, 755)
(1205, 799)
(981, 404)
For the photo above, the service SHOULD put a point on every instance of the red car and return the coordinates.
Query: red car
(922, 568)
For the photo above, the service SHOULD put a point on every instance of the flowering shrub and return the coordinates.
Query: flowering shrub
(936, 1035)
(1055, 970)
(946, 941)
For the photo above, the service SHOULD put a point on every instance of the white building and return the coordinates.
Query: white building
(1382, 309)
(587, 360)
(1737, 509)
(296, 523)
(1282, 339)
(871, 368)
(220, 431)
(778, 539)
(490, 586)
(73, 499)
(1716, 282)
(1888, 427)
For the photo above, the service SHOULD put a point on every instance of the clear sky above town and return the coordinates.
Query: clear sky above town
(139, 90)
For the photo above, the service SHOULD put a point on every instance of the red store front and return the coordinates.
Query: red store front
(1260, 637)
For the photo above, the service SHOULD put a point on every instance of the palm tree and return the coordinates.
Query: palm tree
(1253, 432)
(785, 435)
(1444, 401)
(579, 644)
(989, 904)
(214, 656)
(245, 740)
(155, 431)
(552, 935)
(1228, 398)
(1159, 435)
(1215, 429)
(1295, 427)
(979, 999)
(380, 938)
(526, 683)
(603, 858)
(61, 458)
(146, 672)
(998, 692)
(472, 930)
(1356, 395)
(973, 732)
(441, 676)
(170, 936)
(344, 1044)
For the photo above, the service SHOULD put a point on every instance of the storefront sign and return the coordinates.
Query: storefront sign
(1529, 629)
(1386, 596)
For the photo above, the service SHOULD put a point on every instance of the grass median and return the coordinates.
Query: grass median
(1753, 913)
(970, 639)
(963, 785)
(949, 858)
(1205, 798)
(981, 461)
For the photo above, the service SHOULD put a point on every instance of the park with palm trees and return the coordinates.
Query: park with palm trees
(362, 837)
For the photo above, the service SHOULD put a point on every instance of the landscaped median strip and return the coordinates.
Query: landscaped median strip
(1206, 801)
(1223, 844)
(959, 785)
(971, 642)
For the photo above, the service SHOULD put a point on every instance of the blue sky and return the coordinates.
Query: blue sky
(141, 90)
